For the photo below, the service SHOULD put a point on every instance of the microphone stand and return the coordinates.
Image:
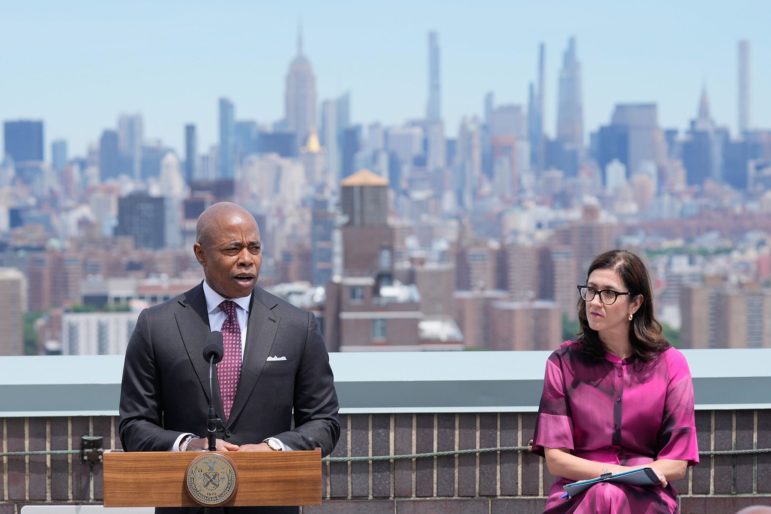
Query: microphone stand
(212, 421)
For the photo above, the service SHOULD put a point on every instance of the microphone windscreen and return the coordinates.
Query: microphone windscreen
(213, 347)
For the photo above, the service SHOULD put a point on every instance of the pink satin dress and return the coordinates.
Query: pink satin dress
(620, 412)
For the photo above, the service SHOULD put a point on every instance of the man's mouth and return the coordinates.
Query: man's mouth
(244, 278)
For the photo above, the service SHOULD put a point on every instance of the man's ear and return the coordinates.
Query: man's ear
(199, 254)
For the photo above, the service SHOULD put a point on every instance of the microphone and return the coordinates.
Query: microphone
(212, 352)
(214, 347)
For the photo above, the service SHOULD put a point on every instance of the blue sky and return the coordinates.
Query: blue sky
(78, 64)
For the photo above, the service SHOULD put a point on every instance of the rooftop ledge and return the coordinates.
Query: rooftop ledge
(383, 382)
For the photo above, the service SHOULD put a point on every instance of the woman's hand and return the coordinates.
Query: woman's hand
(662, 478)
(669, 469)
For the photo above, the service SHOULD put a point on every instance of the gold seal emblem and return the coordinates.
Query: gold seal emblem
(211, 479)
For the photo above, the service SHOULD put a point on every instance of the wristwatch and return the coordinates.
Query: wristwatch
(274, 444)
(185, 443)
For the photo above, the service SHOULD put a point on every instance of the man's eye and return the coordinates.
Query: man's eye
(254, 250)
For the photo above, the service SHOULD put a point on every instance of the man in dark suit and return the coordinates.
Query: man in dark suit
(275, 364)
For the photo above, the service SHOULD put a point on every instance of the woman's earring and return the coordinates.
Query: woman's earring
(631, 316)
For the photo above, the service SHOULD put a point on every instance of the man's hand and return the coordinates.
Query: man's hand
(260, 447)
(197, 445)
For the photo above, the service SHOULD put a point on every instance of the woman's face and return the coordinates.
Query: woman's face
(610, 319)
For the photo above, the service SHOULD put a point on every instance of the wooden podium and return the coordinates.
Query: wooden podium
(157, 479)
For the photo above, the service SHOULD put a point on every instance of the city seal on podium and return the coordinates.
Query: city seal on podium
(211, 479)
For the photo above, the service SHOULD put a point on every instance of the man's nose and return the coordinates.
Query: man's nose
(244, 257)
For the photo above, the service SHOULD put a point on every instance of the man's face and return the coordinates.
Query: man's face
(231, 254)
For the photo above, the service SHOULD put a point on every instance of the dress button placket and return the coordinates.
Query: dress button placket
(617, 409)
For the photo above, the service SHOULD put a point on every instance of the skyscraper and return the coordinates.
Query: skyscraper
(536, 104)
(489, 105)
(744, 86)
(702, 151)
(191, 152)
(109, 161)
(542, 86)
(468, 162)
(344, 111)
(507, 120)
(143, 217)
(437, 146)
(335, 118)
(300, 96)
(570, 117)
(350, 144)
(23, 140)
(58, 154)
(246, 136)
(434, 126)
(130, 138)
(633, 137)
(434, 109)
(323, 218)
(484, 133)
(329, 136)
(227, 141)
(532, 126)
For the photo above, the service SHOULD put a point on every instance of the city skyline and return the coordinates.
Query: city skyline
(172, 63)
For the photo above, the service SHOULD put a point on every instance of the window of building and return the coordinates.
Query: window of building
(384, 258)
(379, 329)
(357, 294)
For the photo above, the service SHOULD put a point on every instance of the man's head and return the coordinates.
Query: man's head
(229, 249)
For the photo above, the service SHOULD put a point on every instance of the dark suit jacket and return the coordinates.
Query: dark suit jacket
(165, 386)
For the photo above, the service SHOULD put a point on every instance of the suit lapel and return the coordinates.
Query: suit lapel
(260, 334)
(193, 323)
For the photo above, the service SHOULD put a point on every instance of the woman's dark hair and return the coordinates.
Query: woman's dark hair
(645, 334)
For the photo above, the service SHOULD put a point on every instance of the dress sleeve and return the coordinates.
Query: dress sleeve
(677, 436)
(554, 426)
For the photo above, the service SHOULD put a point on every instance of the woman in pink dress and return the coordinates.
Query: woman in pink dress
(617, 398)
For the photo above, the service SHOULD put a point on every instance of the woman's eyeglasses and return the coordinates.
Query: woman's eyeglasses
(607, 296)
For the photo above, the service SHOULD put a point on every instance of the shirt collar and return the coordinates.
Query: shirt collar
(214, 299)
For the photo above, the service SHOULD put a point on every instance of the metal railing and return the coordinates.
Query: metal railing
(85, 453)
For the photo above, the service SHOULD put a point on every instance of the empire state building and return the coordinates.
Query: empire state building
(300, 98)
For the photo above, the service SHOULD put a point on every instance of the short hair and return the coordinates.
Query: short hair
(645, 332)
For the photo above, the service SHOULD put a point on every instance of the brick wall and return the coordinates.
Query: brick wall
(510, 482)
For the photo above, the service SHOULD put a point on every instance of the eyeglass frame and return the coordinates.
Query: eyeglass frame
(599, 292)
